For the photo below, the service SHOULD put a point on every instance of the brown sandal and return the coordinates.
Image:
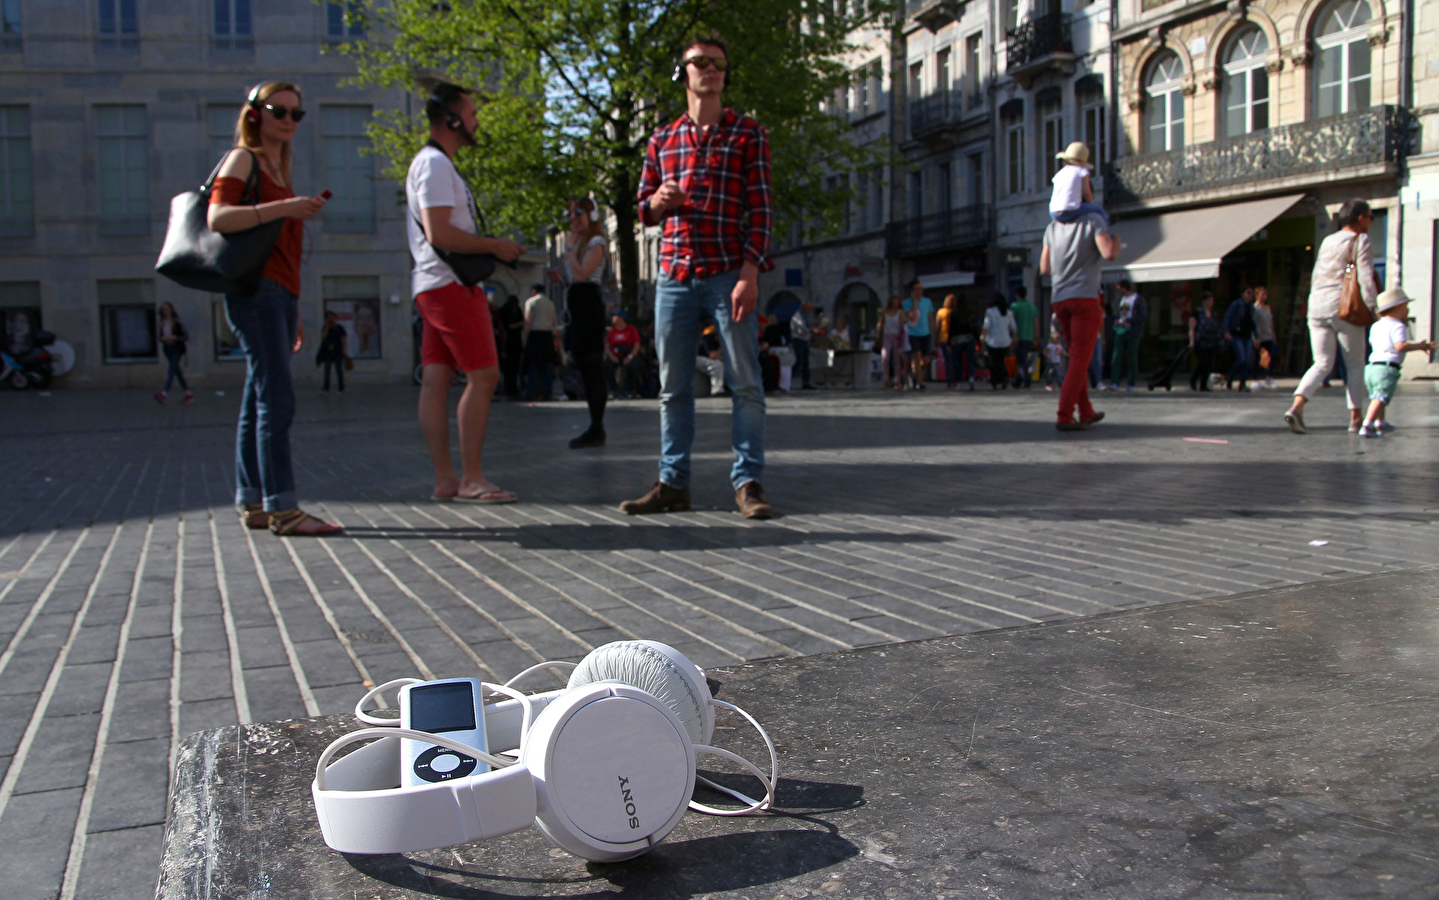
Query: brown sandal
(298, 523)
(254, 516)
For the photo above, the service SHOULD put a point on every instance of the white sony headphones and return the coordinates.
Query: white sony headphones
(605, 767)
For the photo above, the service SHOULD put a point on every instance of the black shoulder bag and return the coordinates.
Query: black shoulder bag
(470, 268)
(197, 257)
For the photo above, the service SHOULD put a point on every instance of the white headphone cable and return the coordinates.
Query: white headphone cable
(377, 720)
(549, 664)
(769, 783)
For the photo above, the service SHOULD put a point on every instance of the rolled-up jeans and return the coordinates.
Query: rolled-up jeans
(265, 322)
(681, 307)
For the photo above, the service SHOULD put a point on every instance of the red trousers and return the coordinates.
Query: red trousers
(1080, 319)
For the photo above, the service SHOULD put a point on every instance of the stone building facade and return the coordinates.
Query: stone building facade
(111, 107)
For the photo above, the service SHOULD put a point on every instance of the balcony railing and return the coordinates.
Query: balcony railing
(1039, 37)
(1375, 136)
(930, 114)
(964, 226)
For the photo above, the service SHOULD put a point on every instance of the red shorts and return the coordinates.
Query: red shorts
(458, 332)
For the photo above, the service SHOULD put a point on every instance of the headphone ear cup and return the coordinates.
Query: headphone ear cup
(252, 115)
(657, 669)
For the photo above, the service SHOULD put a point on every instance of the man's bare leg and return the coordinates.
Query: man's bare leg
(435, 380)
(474, 418)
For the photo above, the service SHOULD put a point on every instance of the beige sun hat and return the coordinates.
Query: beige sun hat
(1391, 298)
(1077, 154)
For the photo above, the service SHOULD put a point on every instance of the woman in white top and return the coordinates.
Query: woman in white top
(583, 270)
(998, 335)
(892, 343)
(1351, 241)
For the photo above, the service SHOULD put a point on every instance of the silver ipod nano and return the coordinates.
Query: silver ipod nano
(453, 708)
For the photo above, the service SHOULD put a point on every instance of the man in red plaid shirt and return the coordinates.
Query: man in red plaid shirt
(706, 178)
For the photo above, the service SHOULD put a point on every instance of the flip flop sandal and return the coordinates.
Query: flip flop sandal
(489, 497)
(254, 516)
(290, 524)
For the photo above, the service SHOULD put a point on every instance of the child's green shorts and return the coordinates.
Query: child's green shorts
(1382, 380)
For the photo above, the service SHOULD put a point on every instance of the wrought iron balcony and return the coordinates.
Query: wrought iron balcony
(934, 14)
(1038, 44)
(931, 114)
(964, 226)
(1373, 137)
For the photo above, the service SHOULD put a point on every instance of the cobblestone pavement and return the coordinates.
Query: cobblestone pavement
(134, 609)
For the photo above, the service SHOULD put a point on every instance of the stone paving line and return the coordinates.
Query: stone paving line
(135, 608)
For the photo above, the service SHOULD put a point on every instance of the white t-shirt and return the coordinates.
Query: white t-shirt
(1068, 188)
(999, 327)
(434, 181)
(1384, 336)
(597, 276)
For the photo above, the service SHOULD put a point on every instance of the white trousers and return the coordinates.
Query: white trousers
(714, 368)
(1323, 334)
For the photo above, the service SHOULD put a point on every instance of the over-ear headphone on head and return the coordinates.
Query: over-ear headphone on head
(252, 105)
(604, 767)
(681, 77)
(594, 211)
(451, 118)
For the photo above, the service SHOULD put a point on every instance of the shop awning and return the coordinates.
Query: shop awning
(946, 279)
(1189, 244)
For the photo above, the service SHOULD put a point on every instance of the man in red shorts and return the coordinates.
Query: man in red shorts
(458, 334)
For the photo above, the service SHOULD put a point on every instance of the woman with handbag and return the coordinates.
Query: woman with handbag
(267, 320)
(1341, 297)
(172, 341)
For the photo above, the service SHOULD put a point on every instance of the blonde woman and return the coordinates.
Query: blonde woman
(267, 321)
(583, 271)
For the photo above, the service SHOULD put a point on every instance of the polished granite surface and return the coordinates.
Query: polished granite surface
(1280, 743)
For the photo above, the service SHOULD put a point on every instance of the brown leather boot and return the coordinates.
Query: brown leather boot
(751, 502)
(661, 498)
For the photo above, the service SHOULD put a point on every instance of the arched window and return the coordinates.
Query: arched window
(1246, 83)
(1164, 107)
(1342, 76)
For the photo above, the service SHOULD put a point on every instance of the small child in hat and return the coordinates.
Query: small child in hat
(1389, 340)
(1073, 195)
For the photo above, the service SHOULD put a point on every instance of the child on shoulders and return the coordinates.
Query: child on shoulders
(1073, 195)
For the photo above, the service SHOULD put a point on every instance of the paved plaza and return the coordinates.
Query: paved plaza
(135, 609)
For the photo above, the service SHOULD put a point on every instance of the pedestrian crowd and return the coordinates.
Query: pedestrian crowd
(706, 184)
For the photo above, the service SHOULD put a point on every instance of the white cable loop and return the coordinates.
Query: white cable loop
(368, 734)
(549, 664)
(376, 720)
(769, 783)
(525, 701)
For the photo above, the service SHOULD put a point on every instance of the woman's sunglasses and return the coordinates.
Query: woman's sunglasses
(282, 111)
(704, 62)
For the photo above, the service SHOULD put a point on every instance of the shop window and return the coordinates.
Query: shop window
(1245, 94)
(349, 169)
(17, 192)
(1012, 121)
(220, 123)
(127, 320)
(117, 27)
(1164, 105)
(121, 138)
(1051, 123)
(227, 345)
(1092, 131)
(1342, 75)
(19, 314)
(233, 28)
(355, 301)
(973, 58)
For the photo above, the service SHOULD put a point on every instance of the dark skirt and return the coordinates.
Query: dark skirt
(586, 331)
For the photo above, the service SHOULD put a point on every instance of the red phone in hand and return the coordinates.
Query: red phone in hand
(325, 194)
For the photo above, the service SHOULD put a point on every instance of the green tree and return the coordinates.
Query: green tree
(572, 89)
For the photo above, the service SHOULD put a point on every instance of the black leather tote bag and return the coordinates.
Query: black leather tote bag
(196, 257)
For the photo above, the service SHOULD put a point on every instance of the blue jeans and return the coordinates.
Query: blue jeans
(172, 372)
(265, 324)
(680, 309)
(1242, 347)
(1096, 362)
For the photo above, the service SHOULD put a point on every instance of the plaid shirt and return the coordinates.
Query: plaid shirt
(725, 170)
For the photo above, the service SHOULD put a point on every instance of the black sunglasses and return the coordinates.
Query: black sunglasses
(704, 62)
(282, 111)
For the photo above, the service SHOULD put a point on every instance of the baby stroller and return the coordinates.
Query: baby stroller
(1164, 375)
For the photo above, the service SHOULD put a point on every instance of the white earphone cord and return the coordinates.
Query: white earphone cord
(375, 692)
(769, 783)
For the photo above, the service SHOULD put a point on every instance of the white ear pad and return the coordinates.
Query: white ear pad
(613, 771)
(657, 669)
